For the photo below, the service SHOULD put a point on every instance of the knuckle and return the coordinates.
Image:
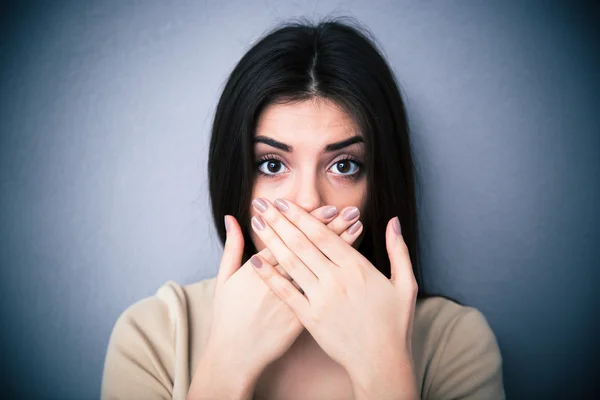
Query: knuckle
(297, 242)
(275, 282)
(273, 217)
(348, 238)
(289, 262)
(411, 287)
(284, 292)
(318, 214)
(319, 236)
(404, 249)
(414, 287)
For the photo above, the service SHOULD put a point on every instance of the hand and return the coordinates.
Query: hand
(361, 319)
(346, 226)
(250, 326)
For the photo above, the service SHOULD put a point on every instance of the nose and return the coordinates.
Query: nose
(306, 192)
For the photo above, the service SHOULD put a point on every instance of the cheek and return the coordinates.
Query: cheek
(267, 189)
(349, 195)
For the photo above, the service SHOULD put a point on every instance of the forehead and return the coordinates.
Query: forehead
(315, 121)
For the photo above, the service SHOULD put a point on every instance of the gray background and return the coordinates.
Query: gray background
(105, 117)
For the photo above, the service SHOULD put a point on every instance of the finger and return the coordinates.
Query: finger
(347, 217)
(339, 224)
(324, 214)
(294, 239)
(330, 244)
(349, 236)
(281, 287)
(233, 251)
(280, 269)
(400, 266)
(283, 273)
(352, 233)
(284, 255)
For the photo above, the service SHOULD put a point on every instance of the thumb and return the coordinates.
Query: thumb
(400, 265)
(233, 251)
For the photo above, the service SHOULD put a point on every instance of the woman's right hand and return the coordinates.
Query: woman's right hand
(250, 327)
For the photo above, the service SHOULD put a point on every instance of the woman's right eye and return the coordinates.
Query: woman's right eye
(271, 167)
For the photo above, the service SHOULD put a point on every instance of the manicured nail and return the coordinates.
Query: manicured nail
(226, 225)
(396, 224)
(260, 205)
(330, 212)
(351, 213)
(258, 222)
(281, 205)
(256, 262)
(354, 227)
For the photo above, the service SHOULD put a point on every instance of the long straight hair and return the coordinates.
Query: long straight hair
(334, 60)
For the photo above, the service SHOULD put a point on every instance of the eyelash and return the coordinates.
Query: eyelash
(347, 157)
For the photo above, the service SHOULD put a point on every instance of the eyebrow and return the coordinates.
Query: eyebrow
(329, 148)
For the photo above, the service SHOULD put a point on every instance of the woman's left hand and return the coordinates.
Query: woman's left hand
(361, 319)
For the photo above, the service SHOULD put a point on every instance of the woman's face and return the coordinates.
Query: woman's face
(310, 153)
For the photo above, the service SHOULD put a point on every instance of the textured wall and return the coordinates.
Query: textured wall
(105, 113)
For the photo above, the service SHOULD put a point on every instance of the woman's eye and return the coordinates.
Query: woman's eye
(271, 167)
(274, 167)
(345, 167)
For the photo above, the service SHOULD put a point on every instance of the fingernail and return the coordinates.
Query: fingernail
(260, 205)
(258, 222)
(354, 227)
(281, 205)
(396, 224)
(256, 262)
(226, 225)
(330, 212)
(350, 214)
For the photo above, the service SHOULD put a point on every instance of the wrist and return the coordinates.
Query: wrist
(386, 380)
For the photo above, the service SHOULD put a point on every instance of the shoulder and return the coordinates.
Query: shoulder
(459, 356)
(200, 292)
(156, 313)
(168, 306)
(149, 342)
(438, 316)
(150, 315)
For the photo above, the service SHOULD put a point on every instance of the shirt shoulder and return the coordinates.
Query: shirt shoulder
(149, 343)
(455, 351)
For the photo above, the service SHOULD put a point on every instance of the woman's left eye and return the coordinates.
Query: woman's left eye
(345, 167)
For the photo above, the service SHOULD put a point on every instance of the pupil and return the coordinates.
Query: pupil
(343, 166)
(272, 166)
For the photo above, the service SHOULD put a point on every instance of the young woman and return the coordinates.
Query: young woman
(313, 195)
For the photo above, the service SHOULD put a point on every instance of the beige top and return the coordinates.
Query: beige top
(156, 343)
